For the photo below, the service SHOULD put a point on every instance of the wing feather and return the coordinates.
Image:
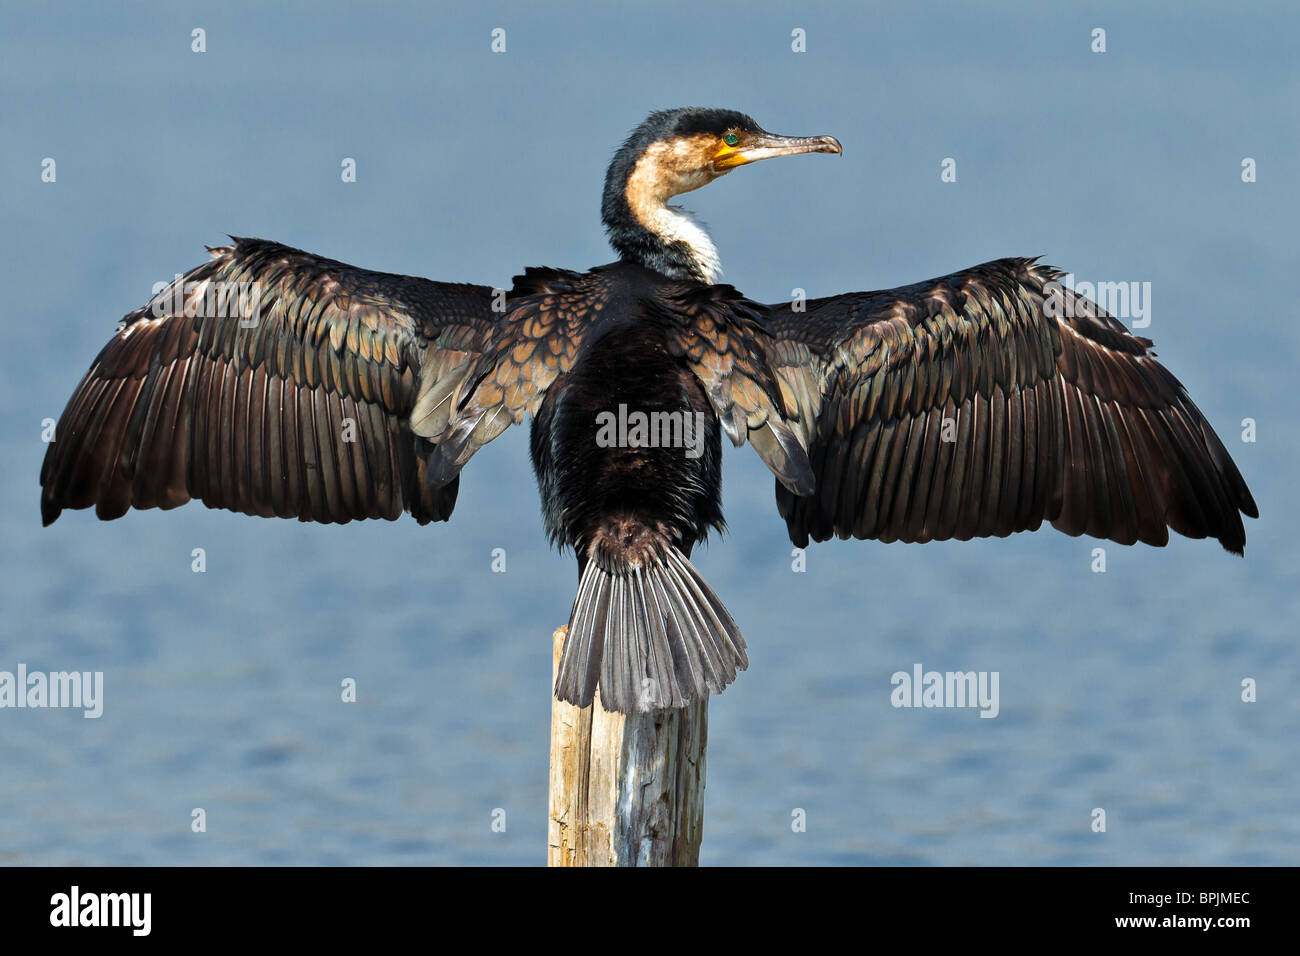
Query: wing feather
(272, 382)
(985, 402)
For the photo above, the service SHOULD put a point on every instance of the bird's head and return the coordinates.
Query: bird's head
(674, 152)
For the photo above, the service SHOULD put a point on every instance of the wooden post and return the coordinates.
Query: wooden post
(626, 790)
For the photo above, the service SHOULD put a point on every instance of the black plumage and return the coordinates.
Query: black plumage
(633, 514)
(276, 383)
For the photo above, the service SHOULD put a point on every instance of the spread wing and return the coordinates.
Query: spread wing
(272, 382)
(987, 402)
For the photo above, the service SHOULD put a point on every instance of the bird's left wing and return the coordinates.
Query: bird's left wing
(272, 382)
(985, 402)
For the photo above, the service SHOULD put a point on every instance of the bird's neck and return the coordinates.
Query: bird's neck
(644, 229)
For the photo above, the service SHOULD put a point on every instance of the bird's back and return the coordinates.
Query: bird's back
(628, 431)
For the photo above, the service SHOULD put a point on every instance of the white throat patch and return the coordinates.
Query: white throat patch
(664, 172)
(675, 224)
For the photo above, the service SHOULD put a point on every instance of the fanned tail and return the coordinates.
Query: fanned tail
(646, 628)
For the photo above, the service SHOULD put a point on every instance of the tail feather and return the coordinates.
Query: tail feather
(650, 633)
(580, 663)
(715, 630)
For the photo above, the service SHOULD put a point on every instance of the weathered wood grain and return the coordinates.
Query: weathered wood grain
(626, 789)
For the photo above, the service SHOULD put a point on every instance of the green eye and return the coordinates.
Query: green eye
(731, 139)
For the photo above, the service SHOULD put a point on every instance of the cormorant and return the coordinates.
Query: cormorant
(278, 383)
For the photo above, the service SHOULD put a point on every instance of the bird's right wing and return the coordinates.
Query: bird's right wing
(272, 382)
(986, 402)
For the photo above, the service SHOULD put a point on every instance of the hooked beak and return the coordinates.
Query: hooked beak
(768, 145)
